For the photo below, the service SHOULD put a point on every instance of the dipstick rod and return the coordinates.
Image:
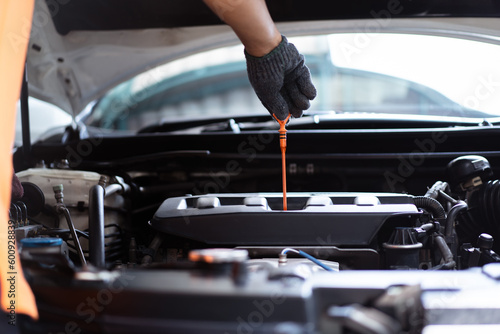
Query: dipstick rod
(282, 132)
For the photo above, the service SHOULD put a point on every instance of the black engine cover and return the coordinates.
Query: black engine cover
(327, 219)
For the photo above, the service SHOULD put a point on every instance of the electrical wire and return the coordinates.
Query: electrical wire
(307, 256)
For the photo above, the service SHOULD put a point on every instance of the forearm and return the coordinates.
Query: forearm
(251, 22)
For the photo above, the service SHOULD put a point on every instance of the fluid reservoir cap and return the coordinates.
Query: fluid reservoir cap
(40, 242)
(485, 241)
(466, 168)
(218, 255)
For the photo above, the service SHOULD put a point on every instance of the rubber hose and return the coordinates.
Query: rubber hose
(446, 253)
(432, 205)
(452, 216)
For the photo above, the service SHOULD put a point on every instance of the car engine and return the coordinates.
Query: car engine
(80, 229)
(359, 230)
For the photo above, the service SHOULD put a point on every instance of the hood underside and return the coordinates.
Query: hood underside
(81, 48)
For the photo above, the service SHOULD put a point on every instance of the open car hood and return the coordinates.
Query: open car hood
(79, 49)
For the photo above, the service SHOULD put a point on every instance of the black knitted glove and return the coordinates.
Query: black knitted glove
(281, 80)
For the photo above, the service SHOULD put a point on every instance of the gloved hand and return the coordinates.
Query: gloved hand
(281, 80)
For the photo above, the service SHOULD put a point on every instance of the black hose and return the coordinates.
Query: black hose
(427, 227)
(452, 216)
(449, 262)
(430, 204)
(96, 227)
(153, 248)
(483, 214)
(490, 206)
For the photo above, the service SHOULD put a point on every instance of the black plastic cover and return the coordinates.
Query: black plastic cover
(467, 167)
(326, 219)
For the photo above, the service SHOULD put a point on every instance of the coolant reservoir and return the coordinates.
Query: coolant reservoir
(76, 185)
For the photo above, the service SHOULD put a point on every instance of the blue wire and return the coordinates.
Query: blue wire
(286, 250)
(315, 260)
(307, 256)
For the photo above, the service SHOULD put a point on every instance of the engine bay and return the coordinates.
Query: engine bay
(159, 205)
(366, 230)
(186, 234)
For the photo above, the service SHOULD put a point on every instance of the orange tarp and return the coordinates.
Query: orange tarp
(15, 21)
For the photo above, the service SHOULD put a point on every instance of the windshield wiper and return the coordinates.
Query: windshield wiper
(319, 121)
(219, 124)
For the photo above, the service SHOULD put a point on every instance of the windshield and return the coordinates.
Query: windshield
(392, 74)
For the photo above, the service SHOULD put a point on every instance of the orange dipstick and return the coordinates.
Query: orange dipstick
(282, 132)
